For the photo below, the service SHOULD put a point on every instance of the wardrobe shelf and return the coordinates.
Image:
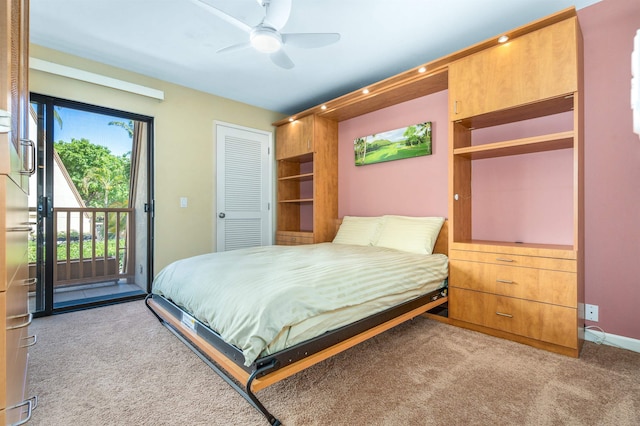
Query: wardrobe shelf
(528, 145)
(300, 200)
(301, 177)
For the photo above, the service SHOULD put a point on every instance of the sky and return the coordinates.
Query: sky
(94, 127)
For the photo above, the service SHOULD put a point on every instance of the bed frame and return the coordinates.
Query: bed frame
(228, 361)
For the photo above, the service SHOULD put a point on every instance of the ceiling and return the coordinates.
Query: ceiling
(176, 41)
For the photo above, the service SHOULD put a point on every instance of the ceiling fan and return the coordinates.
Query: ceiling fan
(266, 36)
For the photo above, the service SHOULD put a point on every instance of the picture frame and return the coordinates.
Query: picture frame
(397, 144)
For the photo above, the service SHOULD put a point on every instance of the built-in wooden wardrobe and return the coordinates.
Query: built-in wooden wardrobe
(16, 164)
(529, 292)
(307, 162)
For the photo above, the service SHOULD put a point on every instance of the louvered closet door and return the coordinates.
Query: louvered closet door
(244, 171)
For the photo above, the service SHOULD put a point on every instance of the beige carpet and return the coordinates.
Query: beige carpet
(118, 366)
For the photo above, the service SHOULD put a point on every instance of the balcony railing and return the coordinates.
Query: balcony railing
(93, 245)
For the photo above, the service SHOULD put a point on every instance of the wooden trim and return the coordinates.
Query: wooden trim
(572, 352)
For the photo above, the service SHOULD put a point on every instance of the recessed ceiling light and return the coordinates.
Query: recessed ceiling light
(365, 91)
(323, 107)
(503, 39)
(290, 119)
(422, 69)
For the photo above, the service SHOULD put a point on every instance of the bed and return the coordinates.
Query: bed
(259, 315)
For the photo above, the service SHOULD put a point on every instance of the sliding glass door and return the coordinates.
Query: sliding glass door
(91, 199)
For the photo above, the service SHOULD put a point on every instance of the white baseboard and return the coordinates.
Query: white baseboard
(601, 337)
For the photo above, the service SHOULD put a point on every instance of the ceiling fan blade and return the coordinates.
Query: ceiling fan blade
(310, 40)
(281, 59)
(223, 15)
(278, 12)
(234, 47)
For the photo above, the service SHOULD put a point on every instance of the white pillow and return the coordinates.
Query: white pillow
(360, 231)
(411, 234)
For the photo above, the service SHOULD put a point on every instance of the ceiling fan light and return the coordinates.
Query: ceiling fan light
(265, 40)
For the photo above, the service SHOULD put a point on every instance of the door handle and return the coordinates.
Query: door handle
(221, 215)
(32, 163)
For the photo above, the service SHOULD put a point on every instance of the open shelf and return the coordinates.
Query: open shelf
(529, 111)
(300, 178)
(300, 200)
(528, 145)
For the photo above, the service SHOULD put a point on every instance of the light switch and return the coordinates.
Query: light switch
(183, 202)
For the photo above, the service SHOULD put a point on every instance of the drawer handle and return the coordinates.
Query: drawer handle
(502, 314)
(24, 324)
(29, 281)
(502, 259)
(504, 281)
(19, 229)
(33, 342)
(31, 405)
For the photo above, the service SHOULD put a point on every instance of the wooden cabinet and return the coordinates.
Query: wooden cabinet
(295, 138)
(306, 153)
(531, 295)
(15, 161)
(539, 65)
(528, 292)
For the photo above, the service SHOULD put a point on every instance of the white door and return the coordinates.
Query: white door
(243, 188)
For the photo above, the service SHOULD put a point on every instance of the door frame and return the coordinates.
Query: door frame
(270, 172)
(49, 102)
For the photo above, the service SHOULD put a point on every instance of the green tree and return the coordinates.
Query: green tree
(101, 178)
(412, 137)
(360, 148)
(128, 126)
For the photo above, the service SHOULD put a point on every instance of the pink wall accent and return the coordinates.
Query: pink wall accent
(412, 187)
(524, 198)
(612, 169)
(612, 173)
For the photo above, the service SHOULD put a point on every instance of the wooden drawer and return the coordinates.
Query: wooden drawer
(292, 238)
(542, 285)
(15, 341)
(13, 228)
(540, 321)
(553, 264)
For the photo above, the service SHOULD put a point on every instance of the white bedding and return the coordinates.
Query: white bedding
(264, 299)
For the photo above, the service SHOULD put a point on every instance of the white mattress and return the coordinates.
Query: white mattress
(265, 299)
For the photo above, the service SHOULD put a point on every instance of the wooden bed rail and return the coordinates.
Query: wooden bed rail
(262, 382)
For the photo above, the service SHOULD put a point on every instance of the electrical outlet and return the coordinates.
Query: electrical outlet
(591, 312)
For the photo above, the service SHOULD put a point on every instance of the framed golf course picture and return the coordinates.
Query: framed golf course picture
(406, 142)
